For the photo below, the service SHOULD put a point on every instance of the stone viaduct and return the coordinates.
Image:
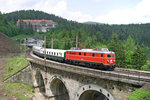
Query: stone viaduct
(59, 81)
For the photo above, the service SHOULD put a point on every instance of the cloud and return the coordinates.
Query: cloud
(57, 7)
(78, 16)
(50, 6)
(141, 14)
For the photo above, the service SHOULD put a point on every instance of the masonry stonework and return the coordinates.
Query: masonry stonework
(63, 85)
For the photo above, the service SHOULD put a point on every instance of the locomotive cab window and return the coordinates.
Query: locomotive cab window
(113, 55)
(108, 55)
(84, 54)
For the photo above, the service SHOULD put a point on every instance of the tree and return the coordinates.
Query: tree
(117, 46)
(139, 57)
(130, 44)
(130, 47)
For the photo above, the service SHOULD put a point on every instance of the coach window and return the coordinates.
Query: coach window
(101, 55)
(84, 54)
(108, 55)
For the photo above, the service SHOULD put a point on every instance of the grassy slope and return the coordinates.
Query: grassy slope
(140, 95)
(21, 91)
(16, 64)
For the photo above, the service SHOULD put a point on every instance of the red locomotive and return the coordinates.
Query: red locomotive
(99, 59)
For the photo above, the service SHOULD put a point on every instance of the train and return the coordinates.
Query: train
(101, 59)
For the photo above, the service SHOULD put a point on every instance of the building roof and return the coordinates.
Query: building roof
(36, 21)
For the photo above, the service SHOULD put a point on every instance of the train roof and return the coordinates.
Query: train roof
(56, 50)
(48, 49)
(102, 50)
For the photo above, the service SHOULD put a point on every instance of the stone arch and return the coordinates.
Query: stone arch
(93, 92)
(40, 82)
(58, 89)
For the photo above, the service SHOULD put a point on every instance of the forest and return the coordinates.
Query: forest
(130, 42)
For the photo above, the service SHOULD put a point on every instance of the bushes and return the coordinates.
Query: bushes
(146, 67)
(140, 95)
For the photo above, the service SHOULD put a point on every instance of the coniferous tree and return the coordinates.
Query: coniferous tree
(139, 57)
(117, 46)
(129, 47)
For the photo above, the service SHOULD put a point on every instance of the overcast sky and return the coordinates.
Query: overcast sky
(103, 11)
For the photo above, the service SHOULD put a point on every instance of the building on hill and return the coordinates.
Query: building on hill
(37, 25)
(30, 42)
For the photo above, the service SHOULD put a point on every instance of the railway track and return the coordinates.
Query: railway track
(119, 74)
(132, 71)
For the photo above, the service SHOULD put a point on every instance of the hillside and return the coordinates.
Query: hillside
(7, 45)
(68, 29)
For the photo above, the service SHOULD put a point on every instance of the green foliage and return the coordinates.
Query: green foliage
(128, 58)
(129, 44)
(19, 90)
(117, 46)
(139, 57)
(140, 95)
(21, 37)
(15, 64)
(146, 67)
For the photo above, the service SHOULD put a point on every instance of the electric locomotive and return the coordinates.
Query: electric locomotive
(98, 59)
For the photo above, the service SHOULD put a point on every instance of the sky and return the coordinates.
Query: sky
(103, 11)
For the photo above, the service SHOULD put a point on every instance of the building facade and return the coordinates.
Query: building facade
(38, 25)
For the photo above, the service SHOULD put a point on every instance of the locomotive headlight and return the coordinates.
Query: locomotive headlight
(107, 60)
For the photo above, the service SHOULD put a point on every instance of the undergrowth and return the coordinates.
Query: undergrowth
(15, 64)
